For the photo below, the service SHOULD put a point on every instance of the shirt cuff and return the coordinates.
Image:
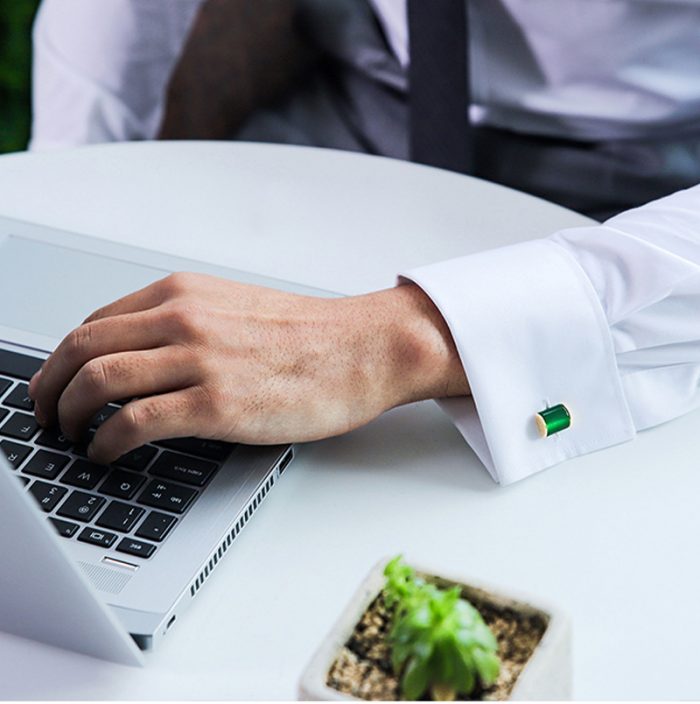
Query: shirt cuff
(531, 333)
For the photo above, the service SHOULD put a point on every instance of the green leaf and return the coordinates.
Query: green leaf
(415, 679)
(488, 666)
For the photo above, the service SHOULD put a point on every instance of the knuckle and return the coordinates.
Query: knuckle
(95, 374)
(210, 400)
(78, 341)
(189, 320)
(176, 284)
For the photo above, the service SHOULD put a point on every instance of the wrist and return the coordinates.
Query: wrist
(416, 351)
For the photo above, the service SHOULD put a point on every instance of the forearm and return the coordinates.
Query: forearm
(412, 346)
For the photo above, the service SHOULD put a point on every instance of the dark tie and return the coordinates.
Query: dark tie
(438, 84)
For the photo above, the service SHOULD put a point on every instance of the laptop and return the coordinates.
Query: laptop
(105, 560)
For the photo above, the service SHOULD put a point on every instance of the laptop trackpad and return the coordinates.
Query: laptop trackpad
(48, 290)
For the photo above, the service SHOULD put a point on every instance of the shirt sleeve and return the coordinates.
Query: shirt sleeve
(604, 319)
(100, 69)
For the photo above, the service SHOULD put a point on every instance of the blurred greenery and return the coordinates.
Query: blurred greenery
(16, 18)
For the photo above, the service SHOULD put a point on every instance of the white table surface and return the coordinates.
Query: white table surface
(611, 537)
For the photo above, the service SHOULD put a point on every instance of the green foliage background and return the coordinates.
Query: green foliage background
(16, 18)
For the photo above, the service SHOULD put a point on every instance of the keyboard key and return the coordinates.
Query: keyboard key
(119, 516)
(14, 452)
(188, 470)
(81, 507)
(64, 528)
(24, 480)
(102, 415)
(54, 439)
(210, 449)
(3, 413)
(19, 398)
(19, 365)
(47, 495)
(122, 484)
(137, 459)
(20, 426)
(95, 536)
(81, 447)
(156, 526)
(136, 547)
(165, 495)
(84, 474)
(4, 385)
(45, 464)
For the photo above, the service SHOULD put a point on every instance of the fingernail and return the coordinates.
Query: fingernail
(91, 451)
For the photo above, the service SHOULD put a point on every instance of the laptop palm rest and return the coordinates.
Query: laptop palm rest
(43, 596)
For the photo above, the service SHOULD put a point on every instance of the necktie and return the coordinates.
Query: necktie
(438, 84)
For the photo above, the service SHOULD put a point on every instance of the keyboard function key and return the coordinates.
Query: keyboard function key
(136, 547)
(45, 464)
(137, 459)
(188, 470)
(84, 474)
(95, 536)
(65, 529)
(47, 495)
(122, 484)
(19, 398)
(20, 426)
(156, 526)
(165, 495)
(80, 506)
(14, 452)
(119, 516)
(53, 438)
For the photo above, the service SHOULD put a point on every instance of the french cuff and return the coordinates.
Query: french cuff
(531, 334)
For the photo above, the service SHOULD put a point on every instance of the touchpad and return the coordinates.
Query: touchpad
(49, 290)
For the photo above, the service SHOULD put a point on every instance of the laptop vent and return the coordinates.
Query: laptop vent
(253, 504)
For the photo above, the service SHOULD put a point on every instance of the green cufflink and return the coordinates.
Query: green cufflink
(553, 420)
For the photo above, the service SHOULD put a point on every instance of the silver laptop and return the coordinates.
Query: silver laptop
(104, 559)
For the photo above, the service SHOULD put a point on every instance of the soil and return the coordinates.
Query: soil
(363, 667)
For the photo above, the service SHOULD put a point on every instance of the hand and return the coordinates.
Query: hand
(208, 357)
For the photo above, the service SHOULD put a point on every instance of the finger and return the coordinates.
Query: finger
(143, 299)
(176, 414)
(136, 331)
(122, 375)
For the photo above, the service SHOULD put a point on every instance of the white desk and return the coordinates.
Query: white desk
(612, 537)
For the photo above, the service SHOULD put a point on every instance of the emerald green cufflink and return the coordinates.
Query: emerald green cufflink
(553, 420)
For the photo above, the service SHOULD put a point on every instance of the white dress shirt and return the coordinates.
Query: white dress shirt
(605, 319)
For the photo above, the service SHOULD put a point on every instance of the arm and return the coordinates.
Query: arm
(217, 359)
(605, 319)
(100, 68)
(239, 54)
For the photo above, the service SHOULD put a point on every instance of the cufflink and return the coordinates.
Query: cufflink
(553, 420)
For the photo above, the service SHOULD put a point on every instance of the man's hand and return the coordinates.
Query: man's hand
(208, 357)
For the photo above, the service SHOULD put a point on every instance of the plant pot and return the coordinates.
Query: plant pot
(531, 668)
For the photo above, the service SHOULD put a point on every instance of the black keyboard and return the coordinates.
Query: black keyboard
(131, 506)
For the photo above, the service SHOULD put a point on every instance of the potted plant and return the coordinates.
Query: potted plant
(409, 634)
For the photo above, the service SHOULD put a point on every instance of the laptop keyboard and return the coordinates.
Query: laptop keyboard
(130, 506)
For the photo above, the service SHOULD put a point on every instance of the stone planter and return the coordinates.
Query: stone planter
(541, 672)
